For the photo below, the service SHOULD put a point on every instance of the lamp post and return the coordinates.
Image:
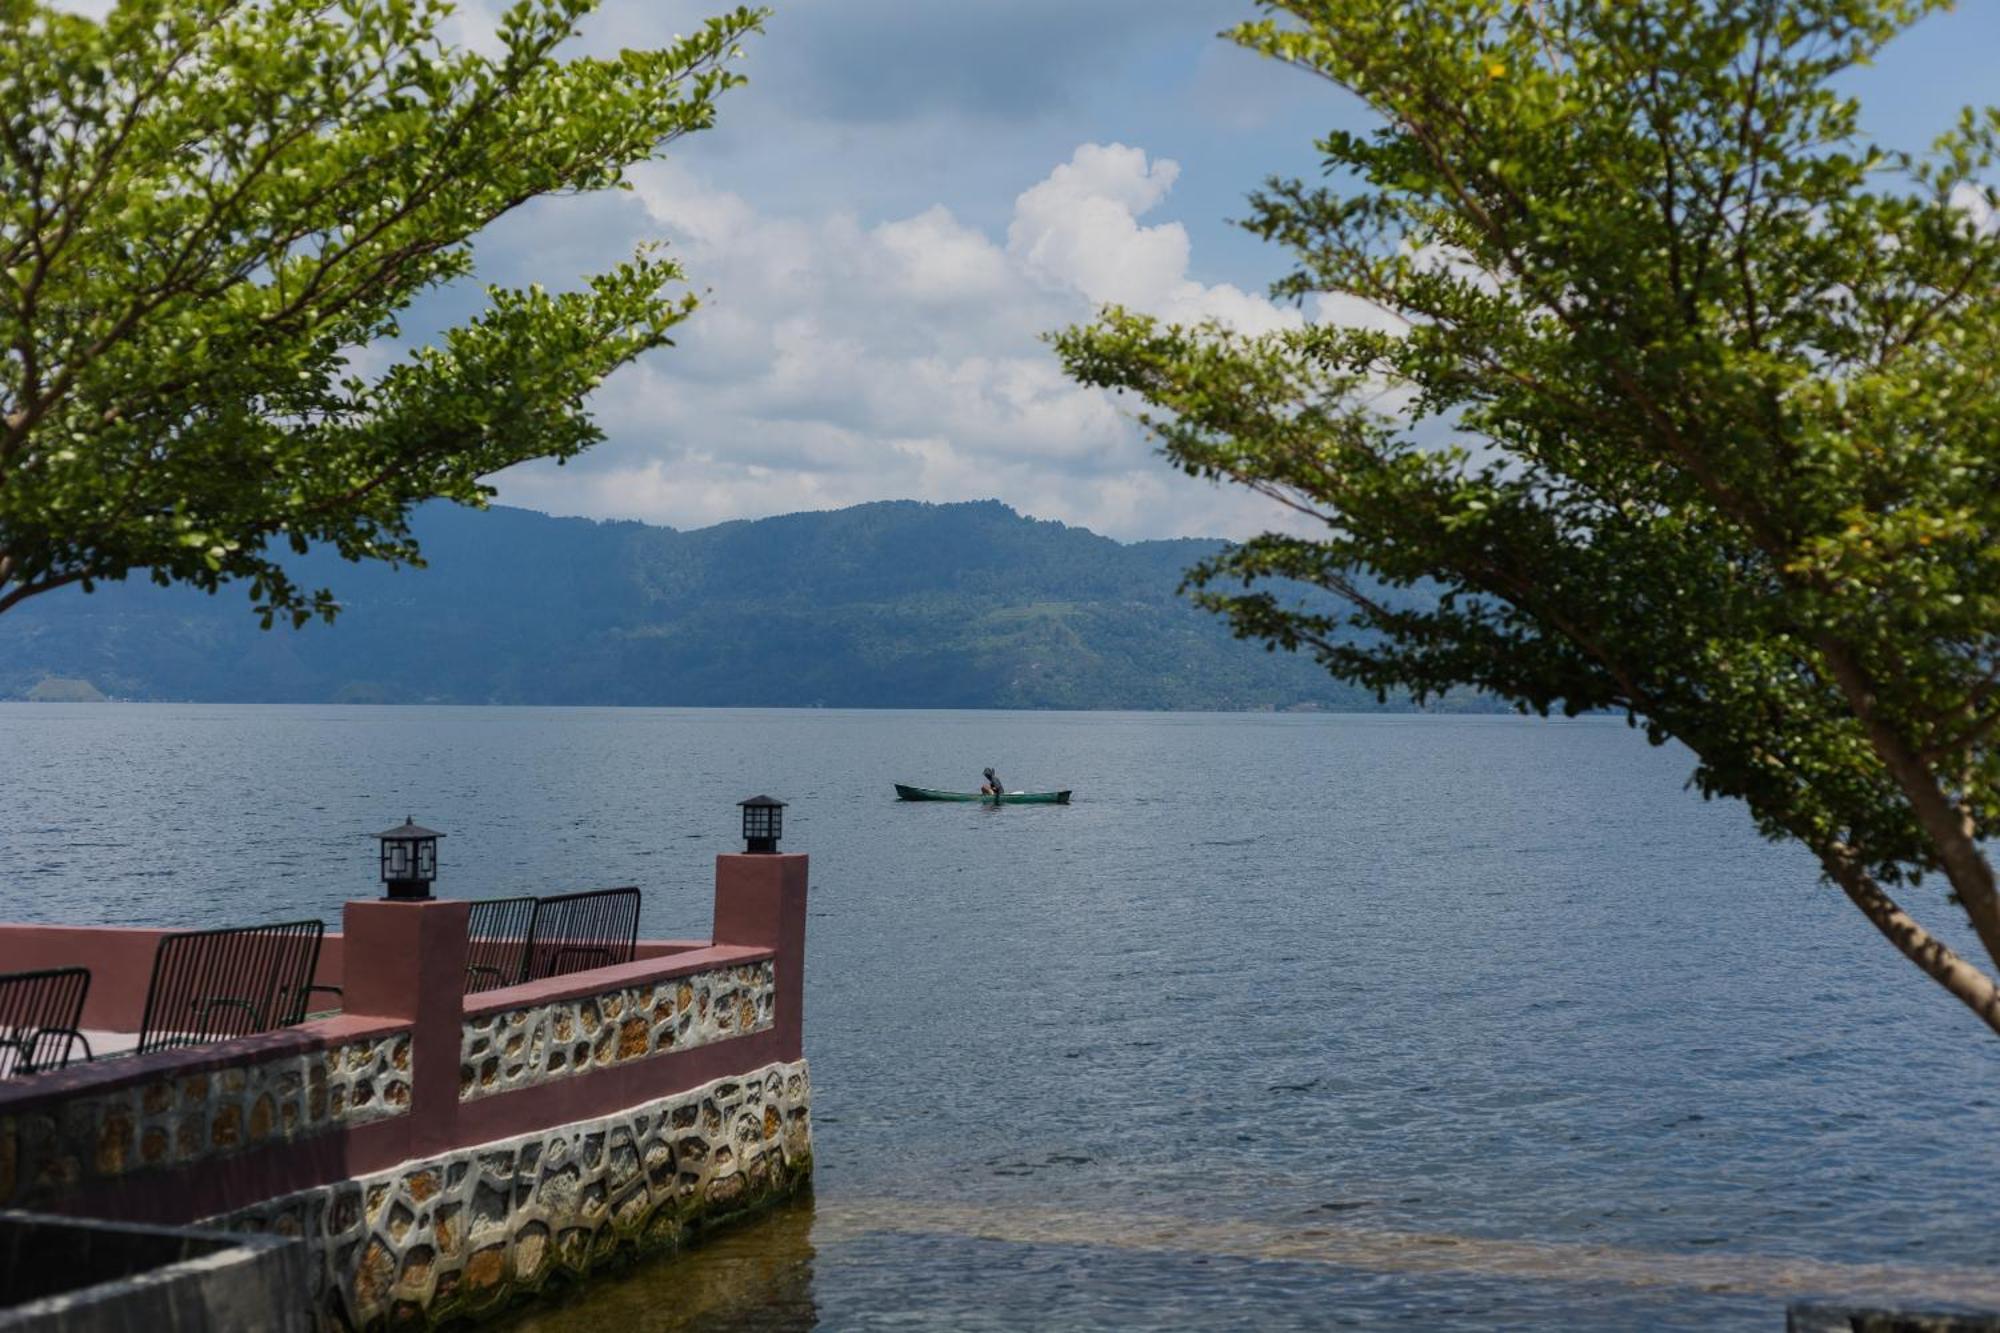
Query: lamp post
(409, 860)
(763, 823)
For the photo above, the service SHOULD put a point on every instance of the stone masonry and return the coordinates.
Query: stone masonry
(468, 1232)
(189, 1118)
(519, 1048)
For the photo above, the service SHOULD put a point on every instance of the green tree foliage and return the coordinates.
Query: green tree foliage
(1721, 377)
(207, 207)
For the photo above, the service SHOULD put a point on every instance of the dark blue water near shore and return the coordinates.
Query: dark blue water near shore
(1288, 1021)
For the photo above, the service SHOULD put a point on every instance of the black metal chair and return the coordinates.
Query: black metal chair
(574, 932)
(41, 1016)
(497, 938)
(210, 985)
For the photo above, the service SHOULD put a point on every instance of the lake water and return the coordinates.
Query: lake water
(1453, 1023)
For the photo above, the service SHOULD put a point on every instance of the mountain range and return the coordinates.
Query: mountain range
(893, 604)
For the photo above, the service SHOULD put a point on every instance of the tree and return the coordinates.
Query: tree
(1719, 377)
(207, 207)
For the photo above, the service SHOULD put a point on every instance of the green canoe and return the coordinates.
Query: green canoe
(1010, 798)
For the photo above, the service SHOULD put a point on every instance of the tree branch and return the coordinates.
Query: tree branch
(1972, 987)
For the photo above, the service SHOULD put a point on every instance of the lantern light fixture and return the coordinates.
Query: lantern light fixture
(409, 860)
(763, 823)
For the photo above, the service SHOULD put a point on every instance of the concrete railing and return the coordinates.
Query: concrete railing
(183, 1134)
(690, 1056)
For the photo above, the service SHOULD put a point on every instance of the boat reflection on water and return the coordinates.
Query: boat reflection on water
(756, 1275)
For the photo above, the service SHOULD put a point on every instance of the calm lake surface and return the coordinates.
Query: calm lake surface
(1452, 1023)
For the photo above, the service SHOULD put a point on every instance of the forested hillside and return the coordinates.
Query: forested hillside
(897, 604)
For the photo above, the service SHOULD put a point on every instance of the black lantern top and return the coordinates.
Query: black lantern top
(763, 823)
(409, 859)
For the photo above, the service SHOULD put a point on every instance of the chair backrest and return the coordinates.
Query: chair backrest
(39, 1016)
(497, 936)
(209, 985)
(575, 932)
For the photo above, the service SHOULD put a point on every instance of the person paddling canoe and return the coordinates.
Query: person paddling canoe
(990, 787)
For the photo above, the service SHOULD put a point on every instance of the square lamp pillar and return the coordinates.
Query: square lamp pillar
(409, 860)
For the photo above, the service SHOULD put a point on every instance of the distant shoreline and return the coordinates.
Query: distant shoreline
(878, 606)
(1387, 712)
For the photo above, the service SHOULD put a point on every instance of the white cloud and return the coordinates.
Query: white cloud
(873, 306)
(1977, 203)
(836, 362)
(1079, 231)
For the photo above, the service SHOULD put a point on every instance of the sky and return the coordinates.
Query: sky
(903, 199)
(909, 193)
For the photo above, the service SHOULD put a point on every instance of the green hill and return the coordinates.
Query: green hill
(897, 604)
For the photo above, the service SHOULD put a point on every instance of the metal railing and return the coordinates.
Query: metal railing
(497, 937)
(575, 932)
(511, 940)
(41, 1014)
(210, 985)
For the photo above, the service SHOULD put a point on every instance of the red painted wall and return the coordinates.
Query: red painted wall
(120, 959)
(402, 965)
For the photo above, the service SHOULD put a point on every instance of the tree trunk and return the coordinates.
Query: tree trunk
(1945, 823)
(1973, 988)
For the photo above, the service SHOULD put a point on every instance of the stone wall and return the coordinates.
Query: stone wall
(201, 1117)
(520, 1048)
(465, 1233)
